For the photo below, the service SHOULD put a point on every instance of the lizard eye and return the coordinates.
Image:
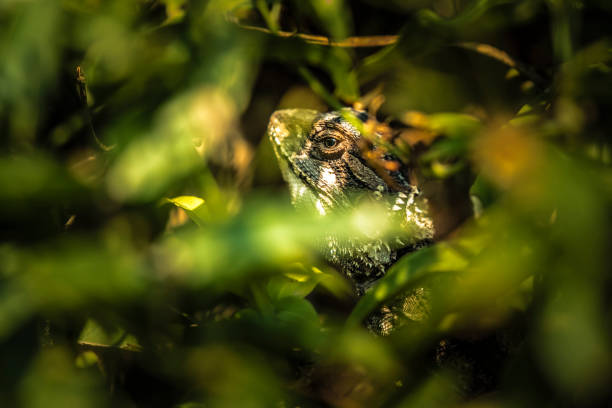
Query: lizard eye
(330, 142)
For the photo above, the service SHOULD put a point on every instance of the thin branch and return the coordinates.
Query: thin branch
(82, 89)
(97, 347)
(385, 40)
(503, 57)
(349, 42)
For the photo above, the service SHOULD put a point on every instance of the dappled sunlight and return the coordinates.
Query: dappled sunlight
(305, 203)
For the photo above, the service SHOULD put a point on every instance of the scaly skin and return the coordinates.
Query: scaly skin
(321, 159)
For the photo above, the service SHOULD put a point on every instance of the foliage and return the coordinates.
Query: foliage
(150, 255)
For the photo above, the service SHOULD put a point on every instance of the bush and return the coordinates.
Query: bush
(150, 255)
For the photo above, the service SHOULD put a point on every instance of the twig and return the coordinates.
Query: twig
(82, 89)
(349, 42)
(385, 40)
(503, 57)
(103, 348)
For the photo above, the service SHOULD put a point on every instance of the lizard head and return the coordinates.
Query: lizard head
(321, 159)
(322, 151)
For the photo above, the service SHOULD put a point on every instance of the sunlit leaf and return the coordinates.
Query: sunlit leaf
(194, 206)
(94, 334)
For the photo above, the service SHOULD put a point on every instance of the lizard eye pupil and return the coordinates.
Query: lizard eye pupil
(330, 142)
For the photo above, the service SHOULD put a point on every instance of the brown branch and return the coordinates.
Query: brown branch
(385, 40)
(503, 57)
(349, 42)
(103, 348)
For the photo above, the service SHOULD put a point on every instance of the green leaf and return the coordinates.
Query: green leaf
(454, 125)
(333, 15)
(445, 149)
(301, 281)
(193, 206)
(470, 15)
(484, 191)
(94, 333)
(292, 284)
(296, 310)
(406, 273)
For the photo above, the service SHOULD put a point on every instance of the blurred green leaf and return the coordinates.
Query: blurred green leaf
(334, 16)
(66, 276)
(291, 308)
(148, 165)
(94, 334)
(454, 125)
(34, 179)
(469, 15)
(300, 282)
(31, 64)
(226, 376)
(54, 382)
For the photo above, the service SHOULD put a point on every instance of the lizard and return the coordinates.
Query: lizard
(323, 160)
